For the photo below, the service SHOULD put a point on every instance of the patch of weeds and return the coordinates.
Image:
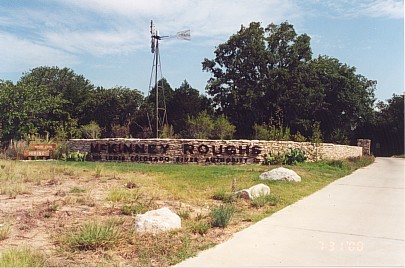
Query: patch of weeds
(123, 195)
(77, 190)
(22, 257)
(335, 163)
(92, 236)
(222, 215)
(264, 200)
(13, 189)
(224, 196)
(5, 230)
(184, 214)
(133, 209)
(163, 250)
(200, 227)
(50, 210)
(86, 200)
(98, 171)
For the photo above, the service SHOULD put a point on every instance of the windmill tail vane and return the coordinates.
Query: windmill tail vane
(184, 35)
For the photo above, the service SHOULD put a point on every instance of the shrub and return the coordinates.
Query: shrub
(200, 127)
(294, 156)
(221, 216)
(298, 137)
(92, 236)
(76, 156)
(316, 133)
(168, 132)
(223, 129)
(273, 159)
(22, 257)
(91, 131)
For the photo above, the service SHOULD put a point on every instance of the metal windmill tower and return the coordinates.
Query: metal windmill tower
(156, 76)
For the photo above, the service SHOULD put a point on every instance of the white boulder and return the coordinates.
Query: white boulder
(255, 191)
(157, 221)
(280, 174)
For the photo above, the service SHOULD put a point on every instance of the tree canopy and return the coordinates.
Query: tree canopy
(263, 72)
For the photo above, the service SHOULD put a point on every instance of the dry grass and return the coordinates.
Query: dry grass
(81, 214)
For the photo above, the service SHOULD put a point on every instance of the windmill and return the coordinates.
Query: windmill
(160, 112)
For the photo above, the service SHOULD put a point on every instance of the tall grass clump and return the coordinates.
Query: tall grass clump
(222, 215)
(93, 236)
(264, 200)
(123, 195)
(22, 257)
(5, 231)
(224, 196)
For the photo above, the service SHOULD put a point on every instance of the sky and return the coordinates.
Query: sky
(108, 41)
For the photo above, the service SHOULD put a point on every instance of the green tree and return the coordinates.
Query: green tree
(28, 109)
(348, 98)
(260, 72)
(185, 102)
(118, 106)
(386, 130)
(65, 84)
(256, 72)
(201, 126)
(223, 129)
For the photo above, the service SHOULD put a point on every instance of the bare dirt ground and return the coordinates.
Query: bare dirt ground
(52, 205)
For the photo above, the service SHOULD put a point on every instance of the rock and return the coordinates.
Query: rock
(280, 174)
(254, 191)
(157, 221)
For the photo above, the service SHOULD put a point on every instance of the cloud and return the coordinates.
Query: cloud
(21, 54)
(96, 43)
(385, 8)
(206, 18)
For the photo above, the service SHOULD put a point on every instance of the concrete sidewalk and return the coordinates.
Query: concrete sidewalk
(358, 220)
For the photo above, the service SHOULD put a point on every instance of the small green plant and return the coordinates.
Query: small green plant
(224, 196)
(92, 236)
(75, 156)
(264, 200)
(200, 227)
(294, 156)
(22, 257)
(184, 214)
(5, 231)
(222, 215)
(316, 133)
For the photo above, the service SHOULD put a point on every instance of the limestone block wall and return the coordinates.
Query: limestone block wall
(203, 151)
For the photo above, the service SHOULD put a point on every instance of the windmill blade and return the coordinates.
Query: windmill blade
(184, 35)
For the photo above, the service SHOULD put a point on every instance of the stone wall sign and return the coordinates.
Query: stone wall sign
(184, 151)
